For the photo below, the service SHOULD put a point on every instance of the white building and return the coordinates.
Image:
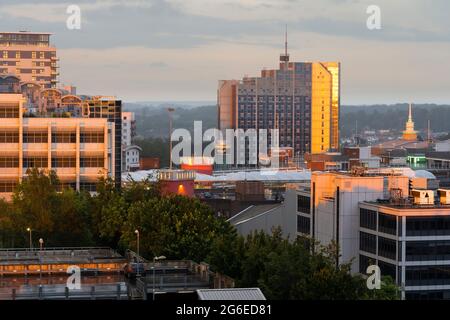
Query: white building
(130, 152)
(131, 158)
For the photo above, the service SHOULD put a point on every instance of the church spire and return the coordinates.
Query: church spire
(410, 113)
(410, 134)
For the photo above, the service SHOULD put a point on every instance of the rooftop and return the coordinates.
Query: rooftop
(231, 294)
(252, 212)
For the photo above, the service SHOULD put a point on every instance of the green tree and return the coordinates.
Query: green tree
(34, 201)
(175, 226)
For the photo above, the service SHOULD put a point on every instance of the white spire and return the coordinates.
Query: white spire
(410, 113)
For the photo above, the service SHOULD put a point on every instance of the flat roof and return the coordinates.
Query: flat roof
(231, 294)
(409, 209)
(253, 211)
(25, 32)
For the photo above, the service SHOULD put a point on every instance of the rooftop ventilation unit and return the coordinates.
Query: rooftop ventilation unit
(444, 196)
(423, 197)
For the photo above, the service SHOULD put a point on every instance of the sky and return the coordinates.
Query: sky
(177, 50)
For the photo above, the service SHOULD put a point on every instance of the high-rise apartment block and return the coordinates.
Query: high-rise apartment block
(300, 99)
(29, 56)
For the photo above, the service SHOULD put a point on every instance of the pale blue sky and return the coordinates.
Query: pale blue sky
(178, 49)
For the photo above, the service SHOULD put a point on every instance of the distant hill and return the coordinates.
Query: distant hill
(153, 121)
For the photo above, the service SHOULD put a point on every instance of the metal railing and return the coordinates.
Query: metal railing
(118, 291)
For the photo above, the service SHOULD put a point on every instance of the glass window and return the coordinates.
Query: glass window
(35, 137)
(9, 162)
(387, 223)
(303, 225)
(387, 248)
(428, 275)
(91, 162)
(303, 204)
(428, 226)
(368, 219)
(427, 250)
(368, 242)
(64, 137)
(63, 162)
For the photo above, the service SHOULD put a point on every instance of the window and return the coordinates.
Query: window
(35, 137)
(92, 137)
(303, 204)
(427, 250)
(35, 162)
(88, 186)
(303, 225)
(9, 162)
(428, 226)
(368, 242)
(365, 262)
(91, 162)
(387, 224)
(63, 162)
(368, 219)
(7, 186)
(9, 112)
(387, 269)
(64, 137)
(428, 275)
(387, 248)
(9, 137)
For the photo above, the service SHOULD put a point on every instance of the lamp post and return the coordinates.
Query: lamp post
(154, 267)
(137, 251)
(41, 244)
(31, 241)
(170, 110)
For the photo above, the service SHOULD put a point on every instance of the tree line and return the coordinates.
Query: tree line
(179, 228)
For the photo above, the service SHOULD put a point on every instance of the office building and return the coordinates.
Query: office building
(73, 135)
(300, 99)
(334, 206)
(409, 241)
(29, 56)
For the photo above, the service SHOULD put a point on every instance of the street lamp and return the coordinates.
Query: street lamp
(154, 267)
(31, 242)
(41, 244)
(137, 251)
